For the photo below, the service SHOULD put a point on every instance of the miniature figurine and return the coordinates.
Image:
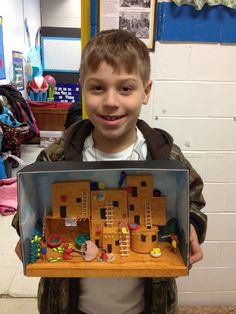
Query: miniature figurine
(110, 258)
(43, 249)
(89, 250)
(156, 252)
(54, 240)
(35, 246)
(174, 241)
(55, 259)
(67, 251)
(104, 255)
(80, 239)
(122, 178)
(133, 226)
(124, 232)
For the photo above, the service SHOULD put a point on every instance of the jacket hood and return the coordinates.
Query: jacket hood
(159, 142)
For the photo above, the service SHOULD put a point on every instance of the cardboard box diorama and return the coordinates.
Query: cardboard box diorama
(104, 219)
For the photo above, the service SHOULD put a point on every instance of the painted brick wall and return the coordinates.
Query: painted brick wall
(194, 99)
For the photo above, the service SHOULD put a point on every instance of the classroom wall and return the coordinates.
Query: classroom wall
(61, 13)
(194, 98)
(14, 36)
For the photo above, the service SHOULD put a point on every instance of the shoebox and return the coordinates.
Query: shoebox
(104, 219)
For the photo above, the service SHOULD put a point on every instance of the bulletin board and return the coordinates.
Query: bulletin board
(2, 62)
(61, 54)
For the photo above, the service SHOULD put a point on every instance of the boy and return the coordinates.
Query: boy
(115, 78)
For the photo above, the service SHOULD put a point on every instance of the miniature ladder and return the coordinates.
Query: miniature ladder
(84, 205)
(109, 214)
(124, 244)
(148, 215)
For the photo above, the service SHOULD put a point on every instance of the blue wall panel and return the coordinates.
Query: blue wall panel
(185, 23)
(229, 26)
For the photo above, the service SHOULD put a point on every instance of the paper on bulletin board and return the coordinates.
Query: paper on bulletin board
(2, 62)
(18, 70)
(61, 54)
(137, 17)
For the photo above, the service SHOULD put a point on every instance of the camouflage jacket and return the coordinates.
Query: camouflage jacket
(61, 295)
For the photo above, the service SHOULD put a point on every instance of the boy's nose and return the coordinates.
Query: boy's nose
(110, 98)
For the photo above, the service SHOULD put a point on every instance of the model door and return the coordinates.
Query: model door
(137, 219)
(63, 211)
(109, 248)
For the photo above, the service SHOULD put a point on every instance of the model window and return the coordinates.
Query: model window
(78, 199)
(115, 203)
(154, 238)
(143, 183)
(134, 191)
(117, 242)
(143, 238)
(103, 213)
(109, 248)
(131, 207)
(97, 242)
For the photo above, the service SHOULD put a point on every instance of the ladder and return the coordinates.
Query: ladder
(109, 214)
(124, 244)
(148, 215)
(84, 205)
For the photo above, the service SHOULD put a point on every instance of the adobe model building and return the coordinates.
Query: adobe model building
(118, 220)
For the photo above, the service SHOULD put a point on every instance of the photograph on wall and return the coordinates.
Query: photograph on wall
(2, 62)
(18, 70)
(135, 16)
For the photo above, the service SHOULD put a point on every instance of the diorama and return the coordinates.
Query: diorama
(104, 219)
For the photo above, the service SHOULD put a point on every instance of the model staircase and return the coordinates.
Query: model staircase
(109, 214)
(85, 213)
(124, 244)
(148, 215)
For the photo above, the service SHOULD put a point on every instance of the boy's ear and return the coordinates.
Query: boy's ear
(147, 90)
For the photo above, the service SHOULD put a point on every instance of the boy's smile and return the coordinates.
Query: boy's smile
(113, 102)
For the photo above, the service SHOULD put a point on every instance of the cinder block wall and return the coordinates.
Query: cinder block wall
(194, 99)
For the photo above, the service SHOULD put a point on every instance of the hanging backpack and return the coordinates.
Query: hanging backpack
(20, 109)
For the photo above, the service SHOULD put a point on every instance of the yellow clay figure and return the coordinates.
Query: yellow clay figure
(156, 252)
(123, 230)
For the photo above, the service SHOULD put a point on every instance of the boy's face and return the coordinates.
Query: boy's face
(113, 102)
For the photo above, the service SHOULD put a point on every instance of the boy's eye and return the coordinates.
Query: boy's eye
(126, 89)
(96, 88)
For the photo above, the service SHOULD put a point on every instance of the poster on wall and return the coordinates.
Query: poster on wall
(2, 62)
(61, 54)
(18, 70)
(136, 16)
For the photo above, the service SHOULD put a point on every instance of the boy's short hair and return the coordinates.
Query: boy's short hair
(118, 48)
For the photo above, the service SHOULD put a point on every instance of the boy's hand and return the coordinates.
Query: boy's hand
(18, 250)
(196, 253)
